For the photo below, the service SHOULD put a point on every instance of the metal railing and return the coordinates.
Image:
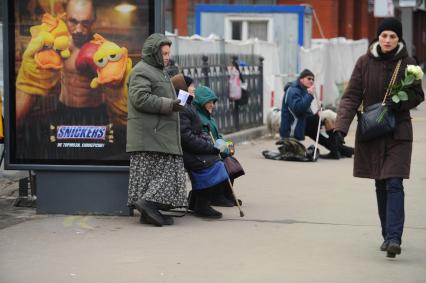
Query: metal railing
(212, 71)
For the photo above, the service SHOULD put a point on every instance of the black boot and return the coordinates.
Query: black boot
(191, 201)
(346, 151)
(333, 147)
(393, 249)
(218, 196)
(168, 220)
(384, 246)
(331, 155)
(149, 211)
(202, 207)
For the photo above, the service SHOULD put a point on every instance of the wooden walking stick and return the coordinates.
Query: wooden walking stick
(235, 197)
(231, 187)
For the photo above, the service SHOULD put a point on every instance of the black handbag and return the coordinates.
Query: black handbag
(369, 126)
(377, 120)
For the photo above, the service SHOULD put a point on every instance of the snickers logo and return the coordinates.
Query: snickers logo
(81, 132)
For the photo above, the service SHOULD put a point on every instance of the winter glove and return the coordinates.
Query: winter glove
(221, 145)
(177, 107)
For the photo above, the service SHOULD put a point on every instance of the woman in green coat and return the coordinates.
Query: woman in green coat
(157, 175)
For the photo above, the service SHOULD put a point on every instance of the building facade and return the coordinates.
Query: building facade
(353, 19)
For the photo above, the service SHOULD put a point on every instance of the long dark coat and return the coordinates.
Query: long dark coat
(198, 150)
(388, 156)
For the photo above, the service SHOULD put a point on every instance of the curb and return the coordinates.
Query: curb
(246, 135)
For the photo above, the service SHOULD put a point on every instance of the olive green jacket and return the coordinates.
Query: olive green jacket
(152, 125)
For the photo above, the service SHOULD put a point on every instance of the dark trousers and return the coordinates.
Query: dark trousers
(311, 129)
(390, 203)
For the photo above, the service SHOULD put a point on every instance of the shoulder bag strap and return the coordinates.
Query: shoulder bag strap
(392, 81)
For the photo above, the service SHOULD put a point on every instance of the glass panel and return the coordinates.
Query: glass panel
(237, 31)
(71, 101)
(258, 29)
(168, 13)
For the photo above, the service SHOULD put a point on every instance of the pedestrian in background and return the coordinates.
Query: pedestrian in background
(385, 159)
(157, 174)
(297, 119)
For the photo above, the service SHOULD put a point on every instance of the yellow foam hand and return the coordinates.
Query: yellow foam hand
(111, 63)
(61, 44)
(113, 67)
(49, 44)
(51, 55)
(59, 30)
(32, 79)
(116, 98)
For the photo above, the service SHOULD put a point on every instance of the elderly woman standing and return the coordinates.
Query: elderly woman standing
(157, 176)
(386, 159)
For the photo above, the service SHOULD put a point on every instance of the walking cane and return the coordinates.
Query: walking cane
(232, 187)
(319, 125)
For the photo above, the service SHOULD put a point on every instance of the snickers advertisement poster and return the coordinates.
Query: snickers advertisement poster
(72, 62)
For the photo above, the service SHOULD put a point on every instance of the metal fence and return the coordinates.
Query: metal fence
(212, 71)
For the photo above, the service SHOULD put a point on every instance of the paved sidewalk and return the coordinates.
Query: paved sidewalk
(305, 222)
(9, 186)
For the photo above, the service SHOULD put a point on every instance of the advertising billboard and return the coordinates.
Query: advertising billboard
(68, 64)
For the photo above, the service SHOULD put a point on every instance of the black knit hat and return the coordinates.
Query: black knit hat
(306, 73)
(188, 80)
(391, 24)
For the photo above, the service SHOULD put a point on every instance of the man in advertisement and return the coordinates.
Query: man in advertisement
(71, 91)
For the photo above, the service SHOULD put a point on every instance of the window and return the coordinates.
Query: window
(248, 27)
(237, 30)
(258, 29)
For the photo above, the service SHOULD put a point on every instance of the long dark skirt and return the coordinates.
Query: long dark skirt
(157, 177)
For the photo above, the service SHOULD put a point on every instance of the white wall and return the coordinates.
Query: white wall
(332, 62)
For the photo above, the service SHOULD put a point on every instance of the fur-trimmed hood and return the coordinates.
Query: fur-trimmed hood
(400, 53)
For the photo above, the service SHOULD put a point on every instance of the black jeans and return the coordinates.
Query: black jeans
(390, 203)
(311, 129)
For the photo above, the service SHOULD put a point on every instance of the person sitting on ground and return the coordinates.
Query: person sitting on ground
(200, 155)
(204, 101)
(297, 119)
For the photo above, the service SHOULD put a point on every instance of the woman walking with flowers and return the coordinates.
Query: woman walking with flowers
(385, 159)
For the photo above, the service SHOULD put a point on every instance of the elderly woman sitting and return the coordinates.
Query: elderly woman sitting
(204, 101)
(200, 155)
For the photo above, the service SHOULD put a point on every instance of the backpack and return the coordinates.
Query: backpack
(290, 149)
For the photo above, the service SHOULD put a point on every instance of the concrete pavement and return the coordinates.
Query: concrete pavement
(9, 186)
(305, 222)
